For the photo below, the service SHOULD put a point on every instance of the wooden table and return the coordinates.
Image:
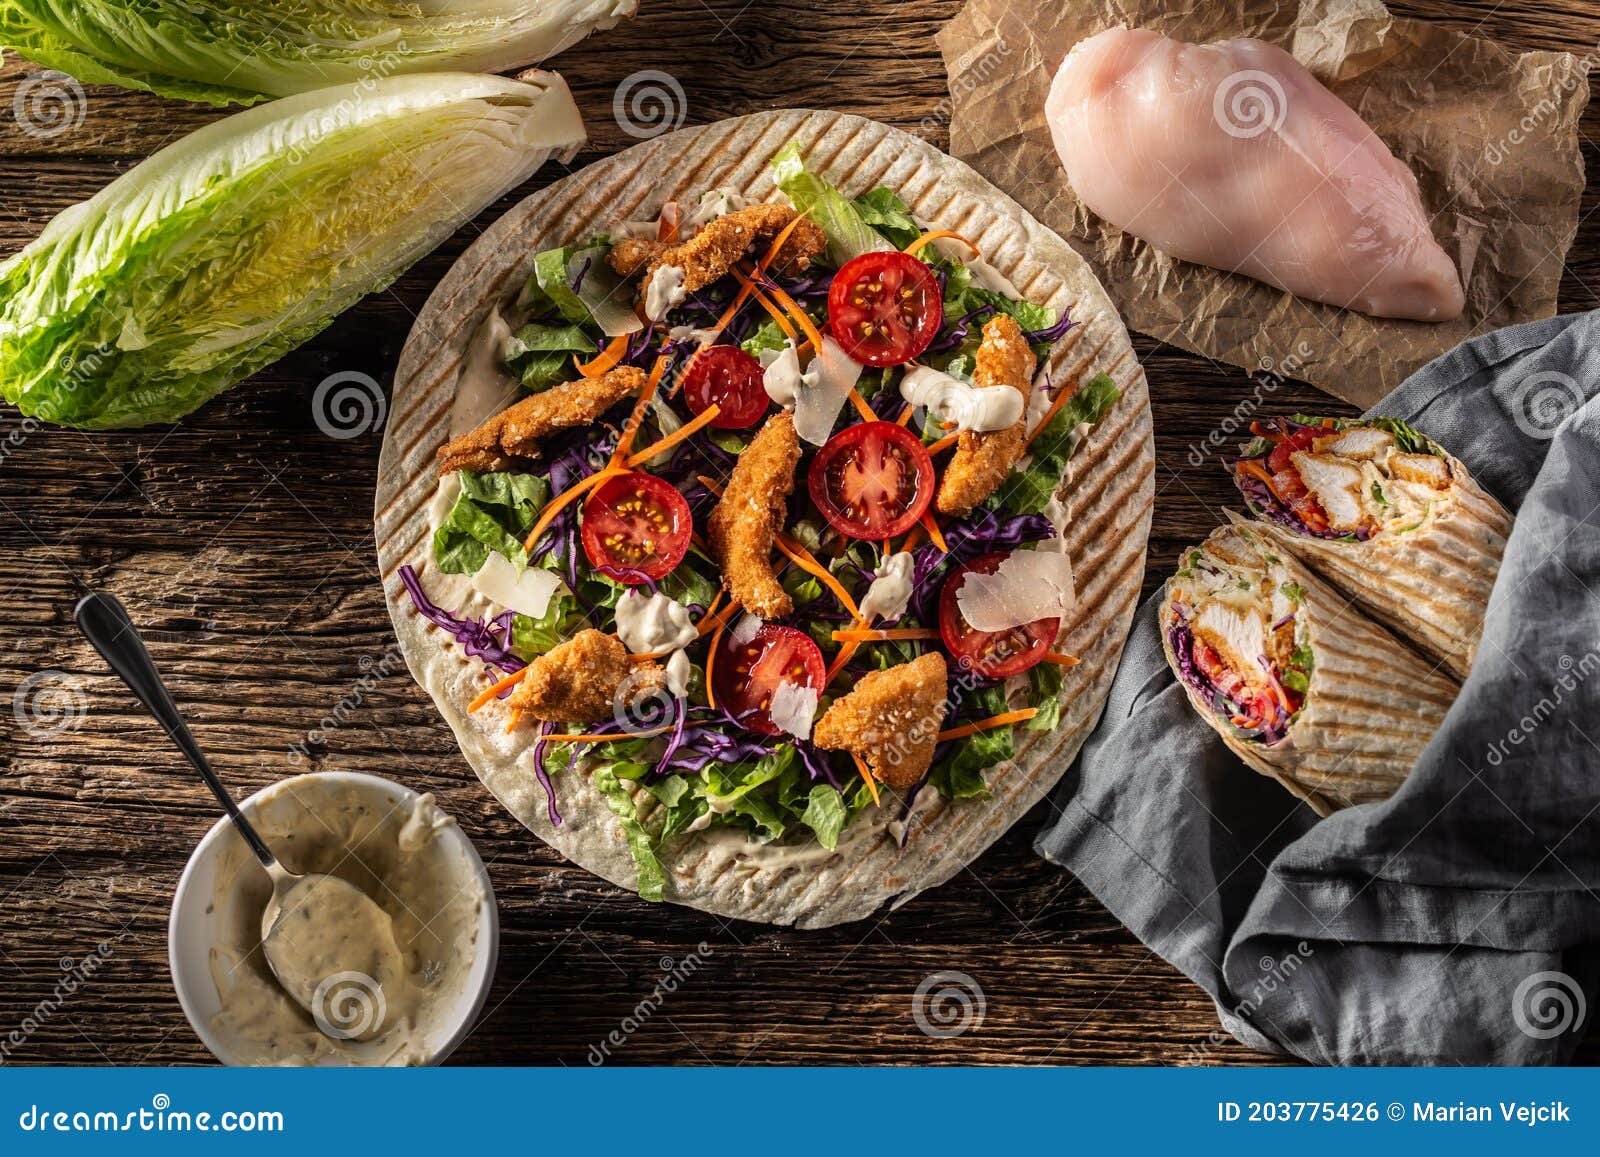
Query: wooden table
(241, 541)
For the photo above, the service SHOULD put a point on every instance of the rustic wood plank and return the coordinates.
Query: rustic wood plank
(242, 541)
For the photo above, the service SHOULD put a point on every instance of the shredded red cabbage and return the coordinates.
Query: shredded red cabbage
(541, 741)
(490, 642)
(1180, 636)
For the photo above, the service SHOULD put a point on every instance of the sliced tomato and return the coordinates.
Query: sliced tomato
(872, 481)
(745, 675)
(885, 308)
(731, 378)
(636, 527)
(1278, 460)
(1258, 705)
(992, 654)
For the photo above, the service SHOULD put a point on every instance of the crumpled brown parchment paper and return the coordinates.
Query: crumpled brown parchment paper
(1491, 135)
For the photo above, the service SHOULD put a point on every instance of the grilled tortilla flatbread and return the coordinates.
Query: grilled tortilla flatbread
(883, 856)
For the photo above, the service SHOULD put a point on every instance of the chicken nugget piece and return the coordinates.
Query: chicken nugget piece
(579, 680)
(982, 461)
(634, 254)
(511, 436)
(750, 514)
(720, 244)
(891, 720)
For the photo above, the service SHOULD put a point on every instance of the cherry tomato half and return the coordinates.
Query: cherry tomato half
(885, 308)
(637, 525)
(872, 480)
(992, 654)
(745, 675)
(731, 378)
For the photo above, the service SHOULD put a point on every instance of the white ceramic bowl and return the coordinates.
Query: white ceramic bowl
(193, 927)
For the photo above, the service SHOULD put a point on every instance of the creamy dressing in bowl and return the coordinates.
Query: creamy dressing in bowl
(403, 1001)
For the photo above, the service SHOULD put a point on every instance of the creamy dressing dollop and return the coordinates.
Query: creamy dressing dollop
(982, 410)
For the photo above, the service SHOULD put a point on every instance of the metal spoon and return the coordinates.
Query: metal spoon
(105, 623)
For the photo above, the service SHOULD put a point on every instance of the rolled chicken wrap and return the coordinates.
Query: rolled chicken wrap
(1387, 516)
(1297, 682)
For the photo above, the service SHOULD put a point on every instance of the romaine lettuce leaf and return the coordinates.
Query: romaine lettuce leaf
(226, 250)
(849, 234)
(541, 355)
(494, 512)
(222, 51)
(1028, 491)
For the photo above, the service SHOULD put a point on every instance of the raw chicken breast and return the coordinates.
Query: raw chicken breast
(1233, 155)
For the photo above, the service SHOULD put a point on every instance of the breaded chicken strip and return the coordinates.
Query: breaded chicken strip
(982, 461)
(891, 720)
(513, 434)
(750, 512)
(710, 253)
(577, 682)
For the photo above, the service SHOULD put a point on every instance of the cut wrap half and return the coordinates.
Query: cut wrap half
(1296, 681)
(1385, 515)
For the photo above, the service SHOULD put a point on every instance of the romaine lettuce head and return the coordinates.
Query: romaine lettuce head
(226, 250)
(223, 51)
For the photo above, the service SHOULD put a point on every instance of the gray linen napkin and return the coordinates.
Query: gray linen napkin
(1459, 921)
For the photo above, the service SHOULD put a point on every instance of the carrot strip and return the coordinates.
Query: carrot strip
(607, 738)
(872, 786)
(568, 496)
(687, 430)
(801, 317)
(711, 656)
(989, 724)
(936, 234)
(606, 360)
(766, 303)
(760, 268)
(636, 419)
(1061, 399)
(516, 718)
(807, 562)
(719, 620)
(846, 653)
(667, 223)
(710, 484)
(931, 525)
(510, 680)
(944, 443)
(913, 536)
(1060, 659)
(884, 635)
(860, 403)
(905, 415)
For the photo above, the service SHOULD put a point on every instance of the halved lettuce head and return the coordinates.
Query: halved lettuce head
(226, 250)
(227, 51)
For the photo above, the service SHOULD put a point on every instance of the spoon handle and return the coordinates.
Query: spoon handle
(105, 623)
